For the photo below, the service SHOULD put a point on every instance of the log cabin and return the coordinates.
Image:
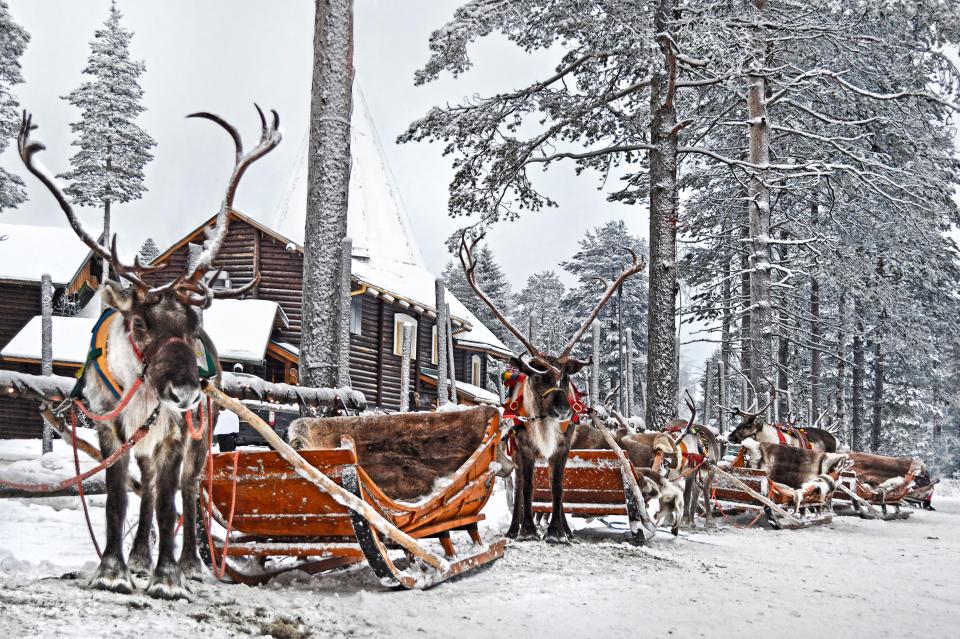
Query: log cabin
(390, 286)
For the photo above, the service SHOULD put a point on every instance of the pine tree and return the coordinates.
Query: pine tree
(149, 251)
(539, 302)
(13, 42)
(114, 150)
(602, 255)
(493, 282)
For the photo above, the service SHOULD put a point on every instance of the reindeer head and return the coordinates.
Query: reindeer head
(548, 376)
(160, 322)
(750, 425)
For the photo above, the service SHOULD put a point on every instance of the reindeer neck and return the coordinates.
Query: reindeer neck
(123, 361)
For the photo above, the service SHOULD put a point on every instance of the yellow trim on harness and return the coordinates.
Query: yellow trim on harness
(100, 343)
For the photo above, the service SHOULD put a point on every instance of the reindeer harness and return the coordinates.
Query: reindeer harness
(799, 433)
(514, 409)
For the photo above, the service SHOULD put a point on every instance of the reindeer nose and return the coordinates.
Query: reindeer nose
(183, 396)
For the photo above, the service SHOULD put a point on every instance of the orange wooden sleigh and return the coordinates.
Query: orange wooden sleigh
(877, 501)
(271, 510)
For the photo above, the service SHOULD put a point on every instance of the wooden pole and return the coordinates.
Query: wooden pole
(452, 359)
(443, 395)
(324, 483)
(501, 391)
(724, 397)
(407, 345)
(346, 268)
(627, 472)
(763, 500)
(595, 367)
(708, 396)
(46, 346)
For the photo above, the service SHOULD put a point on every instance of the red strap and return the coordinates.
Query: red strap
(783, 440)
(116, 411)
(83, 498)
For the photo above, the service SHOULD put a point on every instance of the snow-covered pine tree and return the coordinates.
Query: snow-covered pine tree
(602, 256)
(108, 168)
(149, 251)
(540, 301)
(493, 281)
(13, 42)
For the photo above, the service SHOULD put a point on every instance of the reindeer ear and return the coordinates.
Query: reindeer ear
(574, 366)
(117, 297)
(520, 365)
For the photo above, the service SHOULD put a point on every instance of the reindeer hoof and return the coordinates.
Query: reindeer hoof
(528, 534)
(113, 575)
(167, 583)
(558, 537)
(192, 568)
(140, 563)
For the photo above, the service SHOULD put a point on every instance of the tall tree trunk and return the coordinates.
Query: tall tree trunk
(875, 425)
(856, 395)
(328, 179)
(746, 342)
(841, 362)
(815, 331)
(726, 327)
(105, 271)
(761, 321)
(783, 351)
(662, 373)
(46, 347)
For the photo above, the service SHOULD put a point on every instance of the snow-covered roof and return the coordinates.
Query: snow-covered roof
(479, 395)
(240, 330)
(27, 252)
(385, 253)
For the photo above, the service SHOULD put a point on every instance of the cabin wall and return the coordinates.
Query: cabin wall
(19, 417)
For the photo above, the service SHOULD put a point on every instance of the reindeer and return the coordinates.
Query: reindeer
(152, 353)
(751, 427)
(699, 451)
(543, 398)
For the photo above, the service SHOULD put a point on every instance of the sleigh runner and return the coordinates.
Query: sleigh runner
(270, 509)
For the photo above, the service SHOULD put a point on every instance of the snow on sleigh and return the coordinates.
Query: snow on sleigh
(360, 488)
(792, 488)
(876, 486)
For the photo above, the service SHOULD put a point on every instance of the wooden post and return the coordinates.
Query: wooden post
(442, 393)
(628, 376)
(744, 397)
(46, 347)
(451, 358)
(595, 367)
(407, 346)
(724, 397)
(501, 391)
(810, 415)
(346, 267)
(708, 396)
(775, 407)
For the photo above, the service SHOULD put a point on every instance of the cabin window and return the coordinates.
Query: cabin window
(356, 314)
(398, 321)
(434, 351)
(475, 371)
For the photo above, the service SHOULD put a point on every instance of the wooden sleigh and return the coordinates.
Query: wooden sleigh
(271, 506)
(738, 489)
(857, 496)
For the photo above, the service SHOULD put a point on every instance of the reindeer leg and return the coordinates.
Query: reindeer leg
(140, 555)
(707, 491)
(514, 531)
(528, 529)
(167, 579)
(689, 505)
(190, 562)
(557, 530)
(113, 574)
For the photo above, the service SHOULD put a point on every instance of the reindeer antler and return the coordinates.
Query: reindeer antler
(469, 264)
(635, 267)
(688, 400)
(191, 289)
(28, 149)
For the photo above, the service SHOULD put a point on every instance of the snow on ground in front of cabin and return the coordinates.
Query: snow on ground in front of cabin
(851, 578)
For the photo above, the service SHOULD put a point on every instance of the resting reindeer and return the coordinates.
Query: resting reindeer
(149, 358)
(751, 427)
(542, 401)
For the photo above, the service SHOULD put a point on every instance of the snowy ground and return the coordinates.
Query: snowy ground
(852, 578)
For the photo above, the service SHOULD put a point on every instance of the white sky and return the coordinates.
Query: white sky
(222, 56)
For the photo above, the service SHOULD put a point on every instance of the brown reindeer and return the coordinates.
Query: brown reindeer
(751, 427)
(698, 451)
(543, 401)
(151, 363)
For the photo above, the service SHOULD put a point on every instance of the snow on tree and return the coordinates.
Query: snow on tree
(13, 42)
(493, 281)
(113, 149)
(149, 251)
(602, 255)
(539, 302)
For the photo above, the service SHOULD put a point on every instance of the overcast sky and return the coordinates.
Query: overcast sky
(221, 56)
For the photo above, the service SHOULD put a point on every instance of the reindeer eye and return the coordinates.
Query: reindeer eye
(139, 324)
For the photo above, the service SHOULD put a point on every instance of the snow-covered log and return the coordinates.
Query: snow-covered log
(54, 388)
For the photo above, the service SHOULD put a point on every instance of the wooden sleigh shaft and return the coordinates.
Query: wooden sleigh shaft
(321, 507)
(749, 489)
